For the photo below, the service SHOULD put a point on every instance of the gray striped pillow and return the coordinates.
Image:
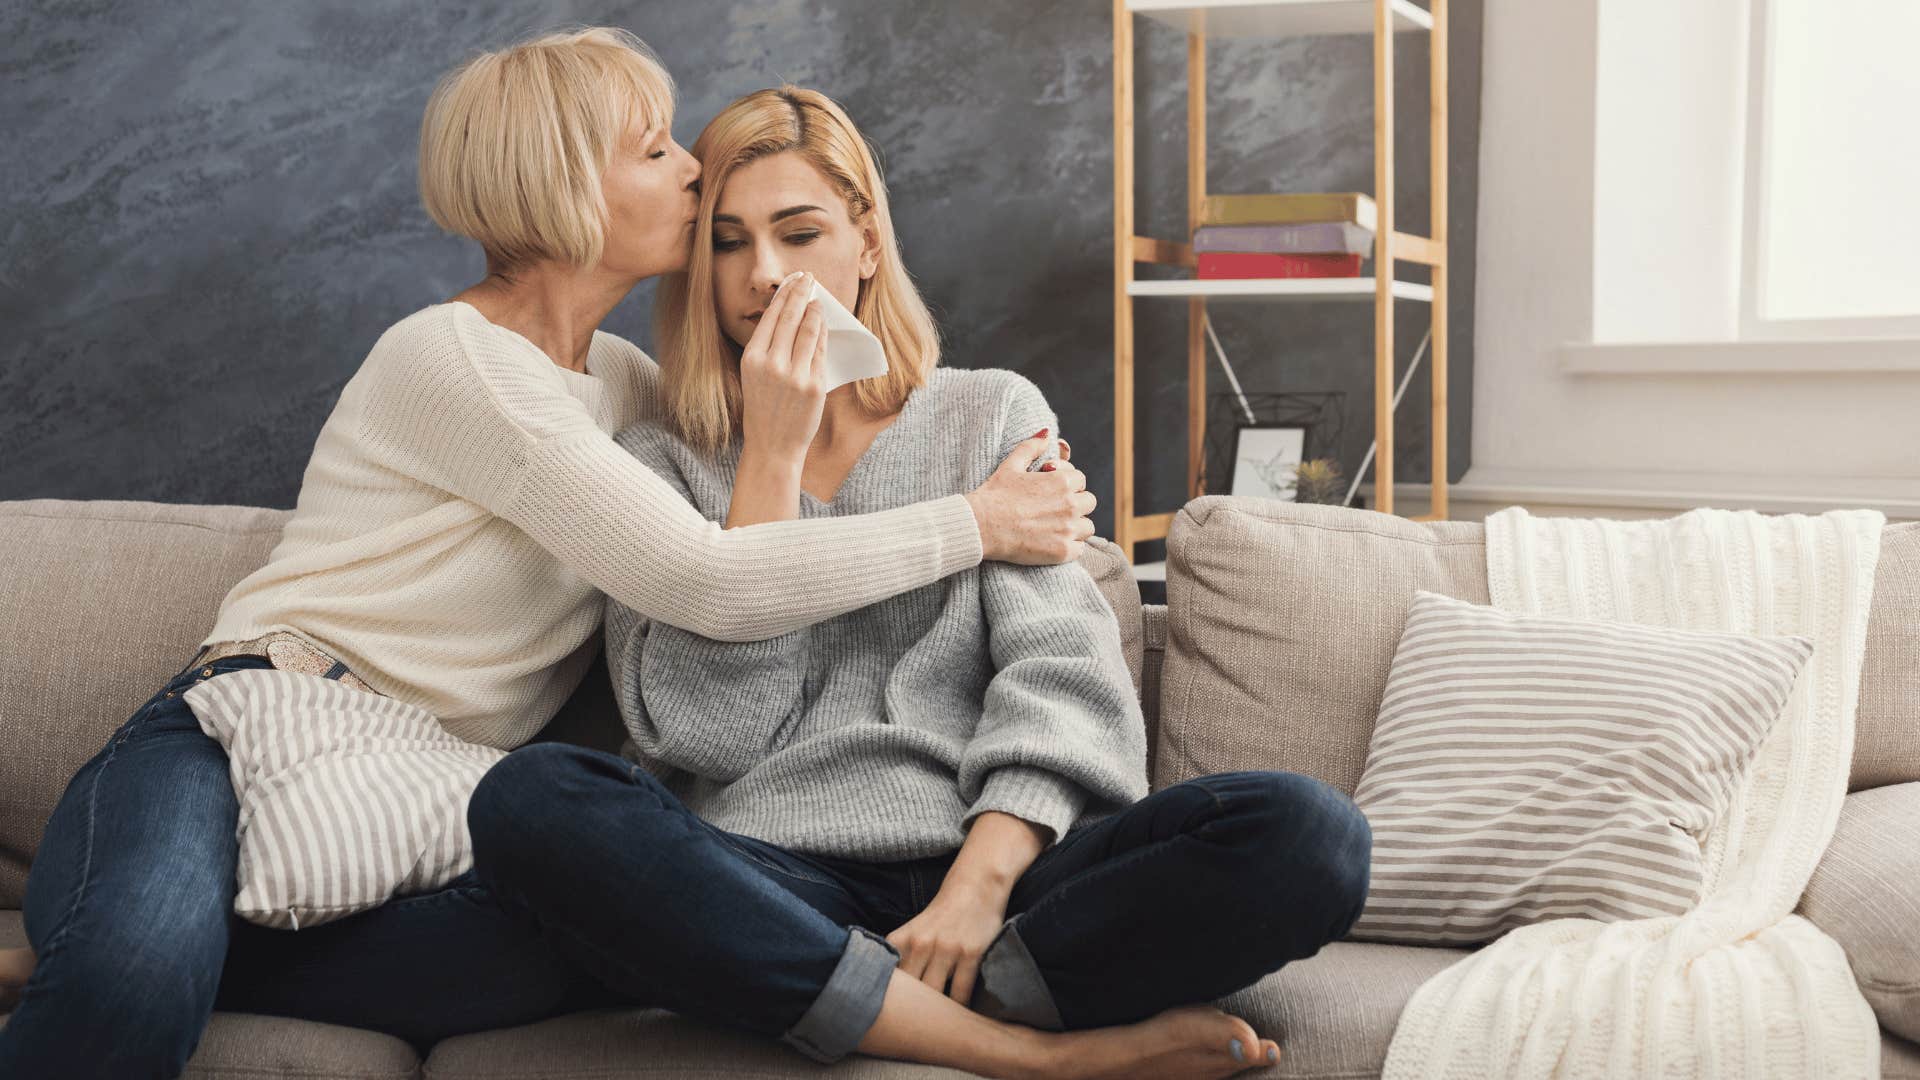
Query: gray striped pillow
(347, 799)
(1527, 768)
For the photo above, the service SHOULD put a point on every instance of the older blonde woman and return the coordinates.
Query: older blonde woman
(464, 515)
(921, 830)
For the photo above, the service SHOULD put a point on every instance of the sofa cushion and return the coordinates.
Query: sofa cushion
(1866, 895)
(347, 799)
(1282, 621)
(74, 577)
(1333, 1015)
(1886, 737)
(1108, 564)
(242, 1046)
(1529, 767)
(1899, 1059)
(645, 1043)
(1153, 659)
(1283, 618)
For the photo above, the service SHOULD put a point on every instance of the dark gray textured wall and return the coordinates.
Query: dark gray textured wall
(208, 209)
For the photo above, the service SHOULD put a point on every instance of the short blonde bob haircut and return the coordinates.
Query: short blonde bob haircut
(514, 142)
(700, 364)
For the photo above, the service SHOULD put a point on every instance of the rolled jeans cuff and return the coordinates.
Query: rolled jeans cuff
(838, 1019)
(1010, 986)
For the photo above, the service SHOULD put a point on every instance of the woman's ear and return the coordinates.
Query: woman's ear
(869, 248)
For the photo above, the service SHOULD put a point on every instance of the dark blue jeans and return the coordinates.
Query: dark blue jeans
(1188, 895)
(129, 909)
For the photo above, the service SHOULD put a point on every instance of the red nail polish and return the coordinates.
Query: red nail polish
(1042, 433)
(1048, 467)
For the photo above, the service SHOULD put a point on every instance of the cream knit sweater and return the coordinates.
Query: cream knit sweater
(466, 507)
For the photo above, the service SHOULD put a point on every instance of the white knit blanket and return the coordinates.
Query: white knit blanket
(1739, 986)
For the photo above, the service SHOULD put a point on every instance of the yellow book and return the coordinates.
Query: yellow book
(1349, 206)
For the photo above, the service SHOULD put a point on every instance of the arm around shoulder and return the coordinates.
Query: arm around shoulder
(496, 434)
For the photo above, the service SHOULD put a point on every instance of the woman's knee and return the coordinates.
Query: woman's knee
(149, 975)
(523, 785)
(534, 794)
(1323, 835)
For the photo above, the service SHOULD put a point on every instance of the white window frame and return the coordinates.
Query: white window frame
(1753, 234)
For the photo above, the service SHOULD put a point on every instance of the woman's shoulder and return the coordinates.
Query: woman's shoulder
(441, 341)
(449, 359)
(625, 353)
(648, 433)
(994, 401)
(971, 390)
(654, 440)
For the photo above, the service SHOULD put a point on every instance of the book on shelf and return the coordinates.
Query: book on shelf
(1220, 265)
(1304, 238)
(1284, 209)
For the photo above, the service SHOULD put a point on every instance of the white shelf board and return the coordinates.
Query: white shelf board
(1278, 18)
(1150, 571)
(1284, 289)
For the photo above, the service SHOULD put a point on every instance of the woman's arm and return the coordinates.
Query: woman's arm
(765, 488)
(485, 426)
(1060, 725)
(947, 938)
(711, 708)
(1060, 728)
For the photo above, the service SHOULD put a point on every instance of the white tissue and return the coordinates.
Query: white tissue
(852, 350)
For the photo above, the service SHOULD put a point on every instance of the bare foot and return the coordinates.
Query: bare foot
(1190, 1041)
(16, 966)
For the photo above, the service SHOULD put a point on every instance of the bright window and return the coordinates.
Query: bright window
(1834, 228)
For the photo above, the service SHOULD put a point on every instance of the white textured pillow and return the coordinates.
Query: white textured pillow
(1527, 768)
(347, 799)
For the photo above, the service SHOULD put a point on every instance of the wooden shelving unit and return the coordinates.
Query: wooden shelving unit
(1276, 19)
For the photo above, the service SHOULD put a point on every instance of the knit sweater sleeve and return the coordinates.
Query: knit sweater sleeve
(1061, 727)
(479, 419)
(712, 708)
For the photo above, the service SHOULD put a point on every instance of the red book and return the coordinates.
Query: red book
(1242, 264)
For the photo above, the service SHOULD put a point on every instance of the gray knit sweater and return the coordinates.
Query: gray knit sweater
(881, 734)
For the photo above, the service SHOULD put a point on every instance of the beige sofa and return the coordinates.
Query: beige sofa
(1272, 653)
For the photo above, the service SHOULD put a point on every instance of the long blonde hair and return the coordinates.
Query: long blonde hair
(701, 388)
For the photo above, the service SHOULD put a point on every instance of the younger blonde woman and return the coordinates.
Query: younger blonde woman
(920, 830)
(464, 514)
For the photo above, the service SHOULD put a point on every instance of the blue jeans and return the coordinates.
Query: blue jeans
(129, 909)
(1192, 893)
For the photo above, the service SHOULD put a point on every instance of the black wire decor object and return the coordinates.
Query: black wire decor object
(1322, 413)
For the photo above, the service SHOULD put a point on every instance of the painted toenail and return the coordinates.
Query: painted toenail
(1238, 1053)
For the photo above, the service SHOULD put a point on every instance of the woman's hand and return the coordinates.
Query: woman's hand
(781, 377)
(1034, 518)
(946, 940)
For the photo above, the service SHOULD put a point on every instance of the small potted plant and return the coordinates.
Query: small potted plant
(1318, 480)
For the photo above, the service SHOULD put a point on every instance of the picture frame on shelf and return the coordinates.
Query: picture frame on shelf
(1264, 459)
(1320, 413)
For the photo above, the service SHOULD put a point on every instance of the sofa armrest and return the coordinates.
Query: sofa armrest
(1866, 895)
